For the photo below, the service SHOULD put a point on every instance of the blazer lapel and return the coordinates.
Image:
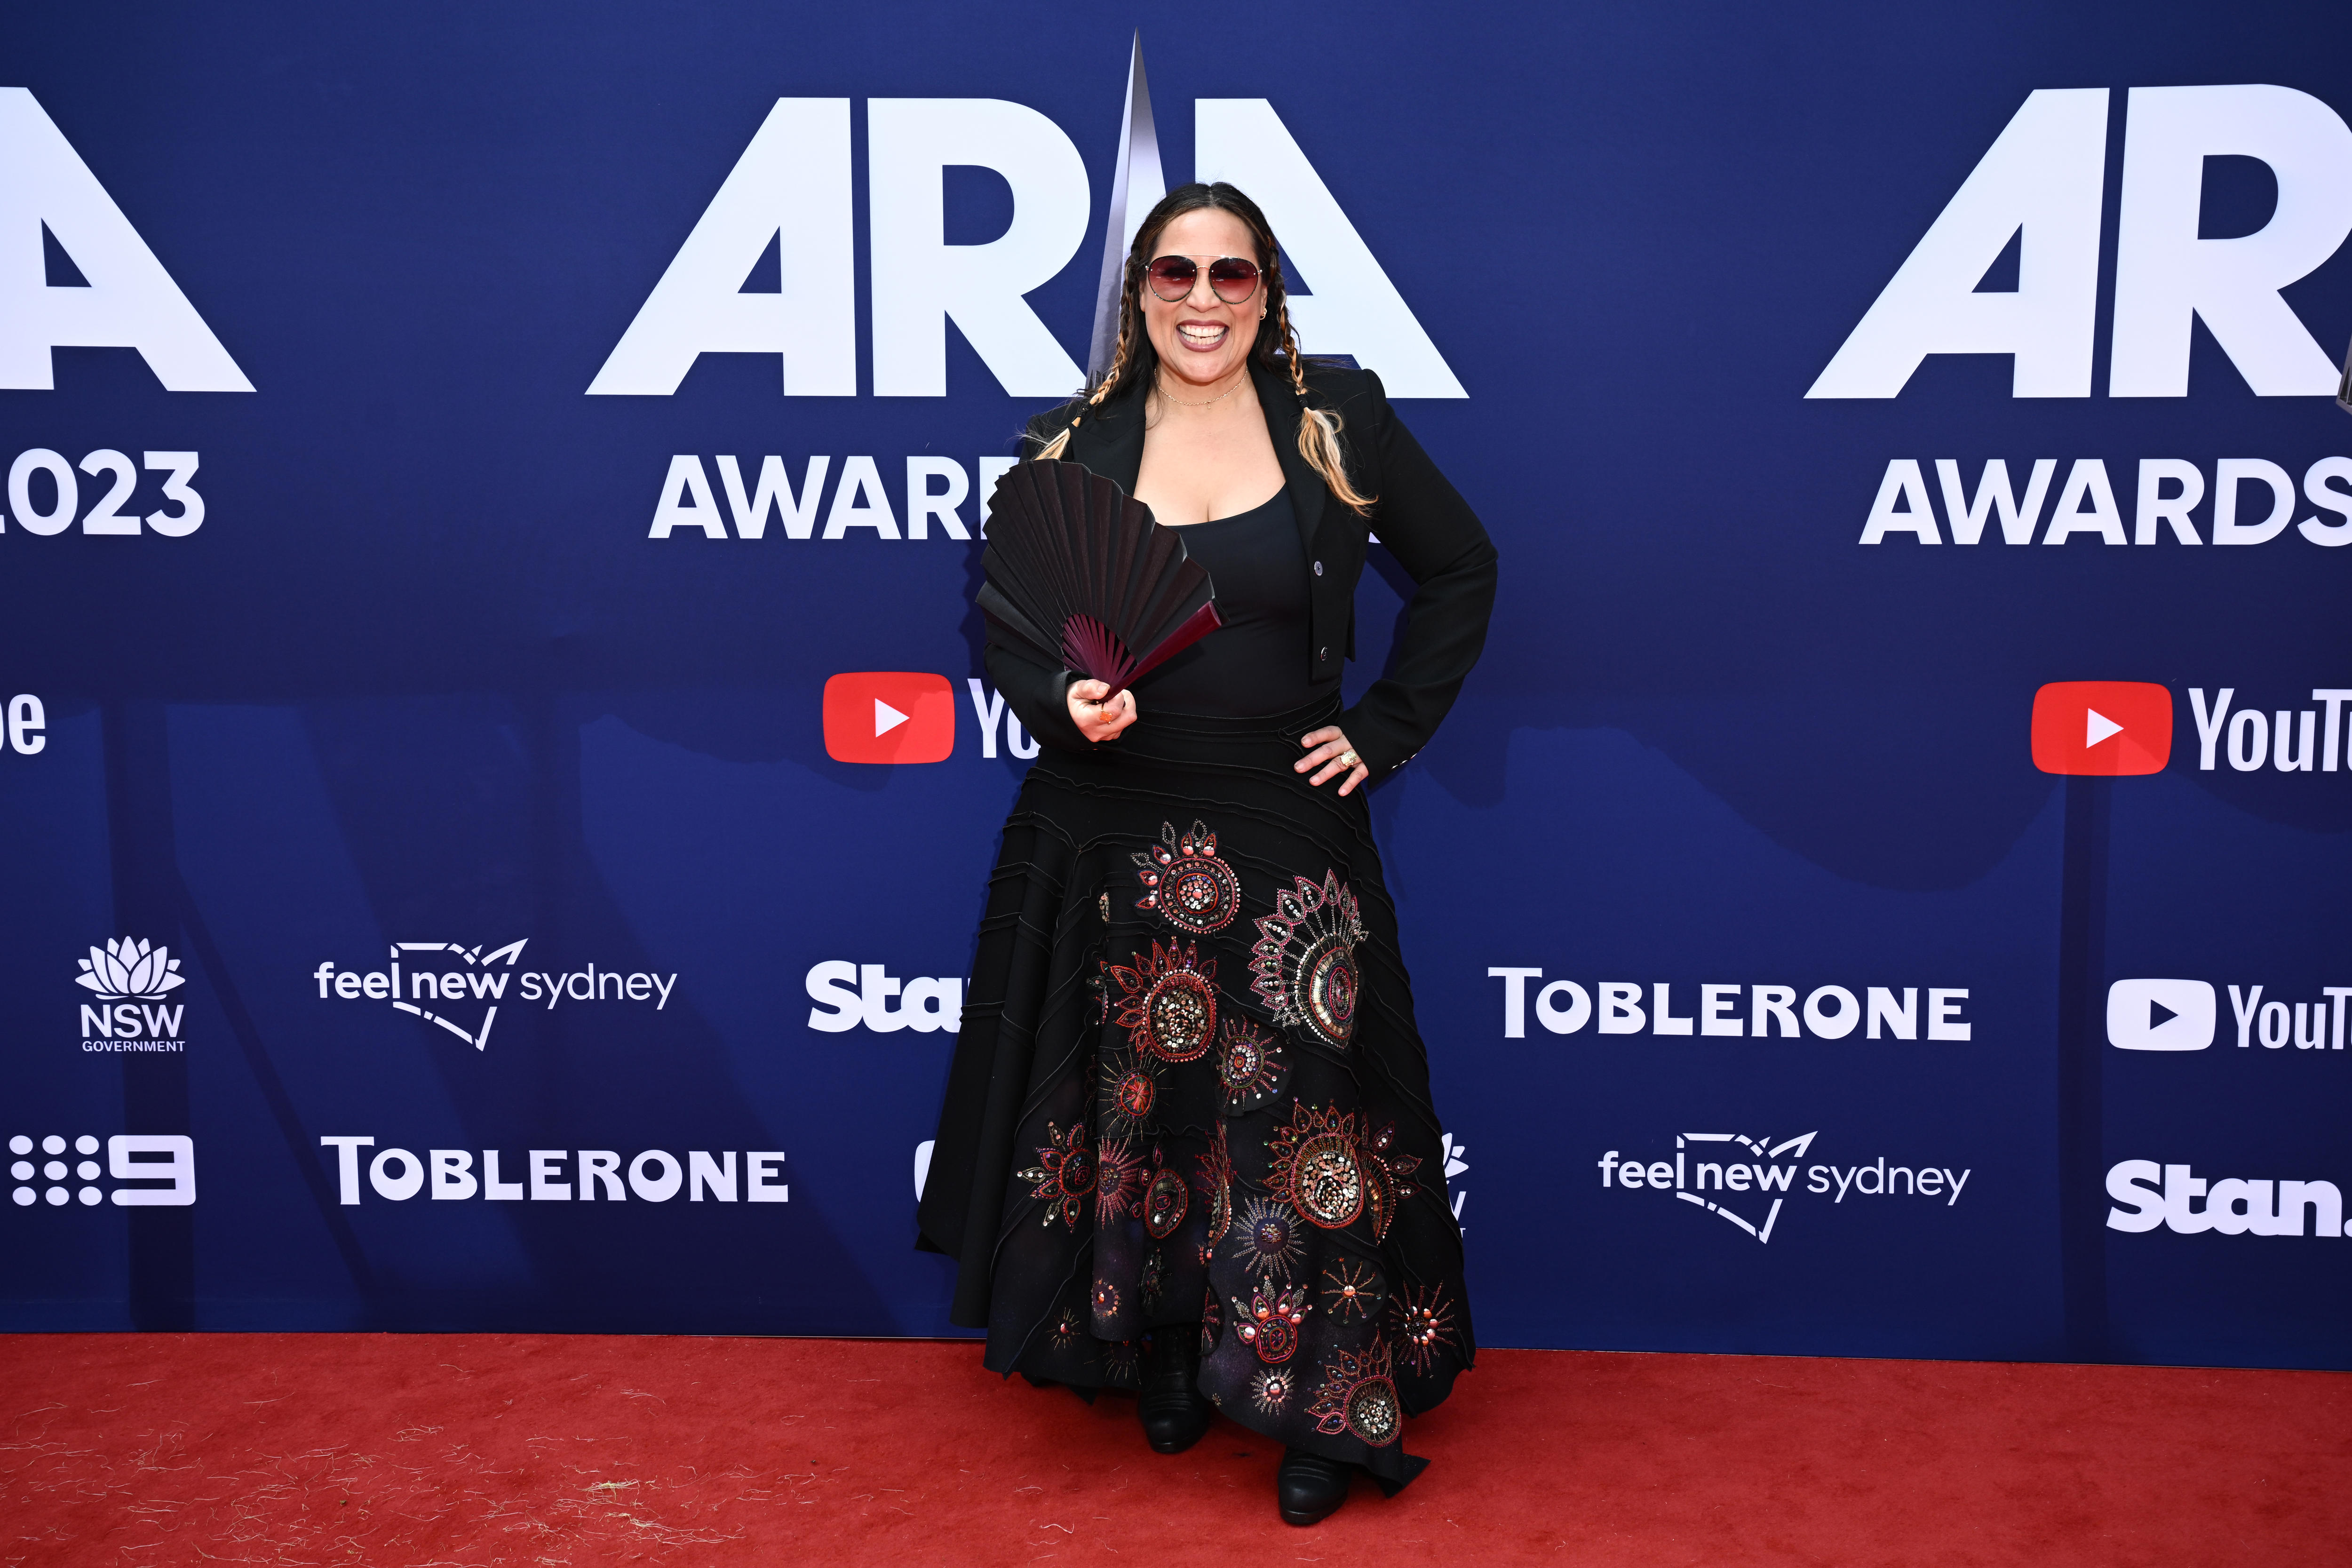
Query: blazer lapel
(1281, 416)
(1109, 441)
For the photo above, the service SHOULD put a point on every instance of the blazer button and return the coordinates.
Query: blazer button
(1323, 653)
(1319, 569)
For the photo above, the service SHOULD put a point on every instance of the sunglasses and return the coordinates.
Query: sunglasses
(1233, 278)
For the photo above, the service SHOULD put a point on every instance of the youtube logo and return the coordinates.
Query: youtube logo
(2108, 728)
(889, 716)
(2160, 1014)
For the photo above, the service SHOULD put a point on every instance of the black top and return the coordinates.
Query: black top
(1423, 522)
(1255, 664)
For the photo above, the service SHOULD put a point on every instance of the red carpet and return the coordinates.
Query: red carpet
(478, 1449)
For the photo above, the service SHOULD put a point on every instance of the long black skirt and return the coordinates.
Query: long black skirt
(1189, 1091)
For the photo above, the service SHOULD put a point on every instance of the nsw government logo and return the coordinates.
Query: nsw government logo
(1747, 1181)
(133, 980)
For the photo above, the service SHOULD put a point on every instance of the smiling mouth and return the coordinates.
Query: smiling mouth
(1202, 336)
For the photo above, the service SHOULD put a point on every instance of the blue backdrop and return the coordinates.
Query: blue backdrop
(458, 656)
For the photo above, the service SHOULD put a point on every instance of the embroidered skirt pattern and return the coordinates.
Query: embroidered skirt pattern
(1189, 1090)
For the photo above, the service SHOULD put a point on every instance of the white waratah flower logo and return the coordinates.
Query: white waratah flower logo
(130, 969)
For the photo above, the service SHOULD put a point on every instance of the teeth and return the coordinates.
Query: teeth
(1205, 334)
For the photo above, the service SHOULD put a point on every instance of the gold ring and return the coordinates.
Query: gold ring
(1349, 760)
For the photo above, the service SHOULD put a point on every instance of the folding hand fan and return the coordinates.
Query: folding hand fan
(1080, 575)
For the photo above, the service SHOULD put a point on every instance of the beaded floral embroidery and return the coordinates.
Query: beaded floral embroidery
(1305, 959)
(1270, 1324)
(1216, 1181)
(1168, 1003)
(1065, 1174)
(1166, 1198)
(1269, 1240)
(1186, 884)
(1425, 1322)
(1249, 1066)
(1352, 1289)
(1272, 1388)
(1119, 1183)
(1358, 1395)
(1131, 1088)
(1326, 1166)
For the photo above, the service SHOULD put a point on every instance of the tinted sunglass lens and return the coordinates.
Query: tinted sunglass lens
(1233, 278)
(1172, 277)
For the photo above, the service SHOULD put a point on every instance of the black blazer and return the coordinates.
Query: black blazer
(1419, 516)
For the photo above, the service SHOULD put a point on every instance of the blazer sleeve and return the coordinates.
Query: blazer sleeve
(1038, 697)
(1442, 545)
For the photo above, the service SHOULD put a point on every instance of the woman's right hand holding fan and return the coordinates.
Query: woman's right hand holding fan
(1098, 720)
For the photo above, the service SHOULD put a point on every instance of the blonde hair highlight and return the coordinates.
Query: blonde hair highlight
(1318, 429)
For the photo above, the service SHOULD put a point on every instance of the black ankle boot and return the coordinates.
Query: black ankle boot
(1174, 1413)
(1309, 1487)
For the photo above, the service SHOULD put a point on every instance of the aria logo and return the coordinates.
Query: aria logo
(483, 980)
(792, 193)
(123, 299)
(1767, 1177)
(2041, 189)
(130, 974)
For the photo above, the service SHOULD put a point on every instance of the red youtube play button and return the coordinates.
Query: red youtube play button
(889, 716)
(2113, 729)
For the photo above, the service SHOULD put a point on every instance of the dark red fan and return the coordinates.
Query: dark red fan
(1079, 576)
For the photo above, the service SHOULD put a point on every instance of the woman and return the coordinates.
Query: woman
(1187, 1147)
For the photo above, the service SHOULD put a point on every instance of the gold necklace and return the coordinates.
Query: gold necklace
(1203, 402)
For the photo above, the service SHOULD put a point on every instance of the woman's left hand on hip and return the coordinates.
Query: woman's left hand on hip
(1330, 755)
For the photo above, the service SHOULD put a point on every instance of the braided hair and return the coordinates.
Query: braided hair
(1134, 362)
